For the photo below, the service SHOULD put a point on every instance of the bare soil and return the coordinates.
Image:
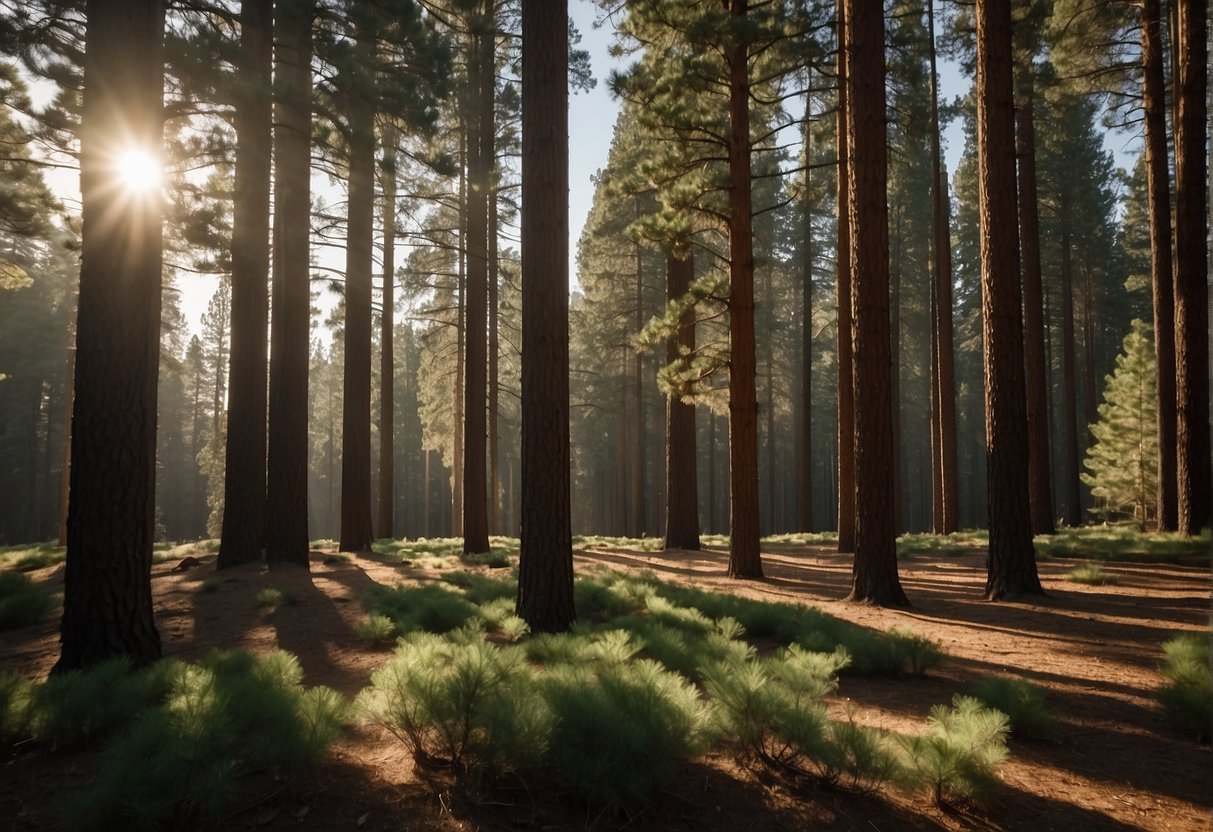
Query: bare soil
(1115, 762)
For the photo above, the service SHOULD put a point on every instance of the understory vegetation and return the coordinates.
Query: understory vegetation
(21, 601)
(1188, 694)
(180, 744)
(654, 674)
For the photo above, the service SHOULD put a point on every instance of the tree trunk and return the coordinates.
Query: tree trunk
(639, 504)
(1159, 197)
(1069, 382)
(804, 425)
(387, 351)
(244, 471)
(107, 603)
(1011, 567)
(874, 576)
(475, 498)
(1194, 491)
(456, 507)
(681, 476)
(545, 569)
(846, 393)
(69, 374)
(286, 539)
(712, 523)
(1040, 494)
(488, 137)
(356, 531)
(745, 559)
(896, 264)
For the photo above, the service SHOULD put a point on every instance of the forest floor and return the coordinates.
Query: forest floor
(1114, 762)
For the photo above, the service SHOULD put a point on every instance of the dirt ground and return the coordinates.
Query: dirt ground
(1114, 763)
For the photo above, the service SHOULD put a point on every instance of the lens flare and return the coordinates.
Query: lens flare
(139, 170)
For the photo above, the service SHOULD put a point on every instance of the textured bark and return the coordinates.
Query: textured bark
(387, 353)
(69, 402)
(1069, 383)
(1193, 471)
(488, 139)
(458, 405)
(1161, 280)
(846, 393)
(874, 574)
(713, 525)
(286, 539)
(943, 377)
(681, 475)
(943, 374)
(1040, 493)
(804, 424)
(356, 531)
(107, 602)
(475, 497)
(244, 472)
(639, 503)
(745, 559)
(545, 570)
(1011, 567)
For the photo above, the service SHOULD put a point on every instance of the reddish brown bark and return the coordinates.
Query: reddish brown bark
(244, 472)
(286, 539)
(1193, 472)
(1158, 191)
(804, 422)
(846, 403)
(745, 559)
(1011, 567)
(545, 571)
(681, 474)
(107, 602)
(874, 575)
(387, 354)
(1040, 493)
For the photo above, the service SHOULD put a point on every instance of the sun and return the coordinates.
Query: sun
(139, 170)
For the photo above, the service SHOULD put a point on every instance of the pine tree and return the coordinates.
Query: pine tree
(1123, 462)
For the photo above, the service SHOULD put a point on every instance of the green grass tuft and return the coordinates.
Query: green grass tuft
(1125, 542)
(1188, 694)
(271, 598)
(15, 708)
(1093, 574)
(460, 703)
(376, 629)
(22, 602)
(1022, 701)
(182, 763)
(210, 585)
(429, 607)
(959, 756)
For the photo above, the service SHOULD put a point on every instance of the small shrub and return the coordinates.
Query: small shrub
(918, 653)
(339, 557)
(77, 708)
(15, 695)
(481, 589)
(581, 647)
(225, 717)
(271, 598)
(493, 559)
(376, 629)
(210, 585)
(1091, 573)
(430, 607)
(959, 756)
(466, 704)
(498, 616)
(772, 708)
(1188, 694)
(40, 558)
(622, 729)
(21, 601)
(1022, 701)
(860, 758)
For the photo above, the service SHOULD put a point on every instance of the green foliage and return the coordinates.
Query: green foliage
(339, 557)
(429, 607)
(21, 601)
(228, 716)
(621, 729)
(493, 559)
(1125, 542)
(1022, 701)
(462, 703)
(958, 543)
(481, 589)
(77, 708)
(271, 598)
(376, 629)
(860, 758)
(15, 707)
(772, 708)
(959, 756)
(1188, 694)
(918, 653)
(1091, 573)
(1122, 464)
(210, 585)
(27, 559)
